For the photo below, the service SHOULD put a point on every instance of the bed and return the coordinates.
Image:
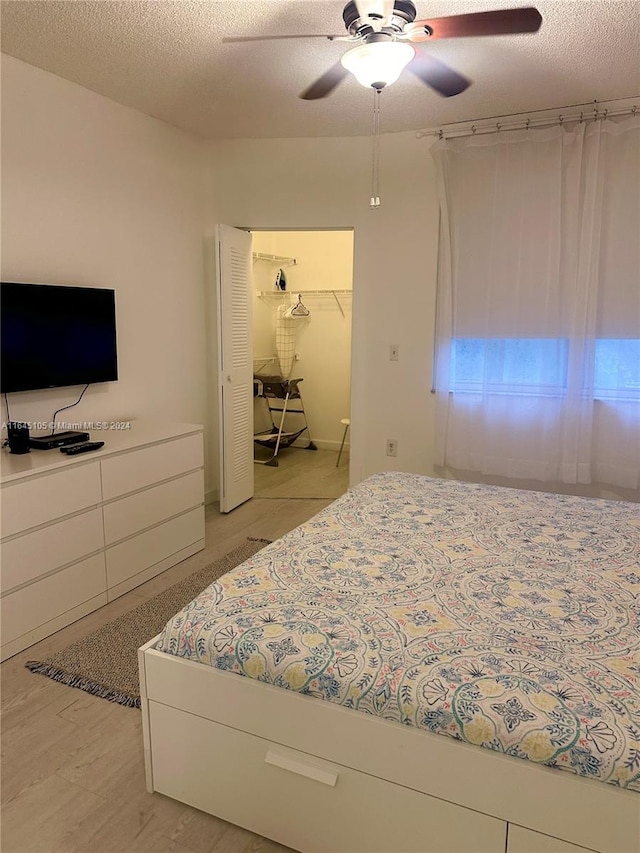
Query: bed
(425, 665)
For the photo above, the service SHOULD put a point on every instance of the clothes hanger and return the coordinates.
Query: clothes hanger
(298, 310)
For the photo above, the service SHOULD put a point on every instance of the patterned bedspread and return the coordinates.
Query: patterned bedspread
(504, 618)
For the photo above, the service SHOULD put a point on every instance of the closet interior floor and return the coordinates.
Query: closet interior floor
(302, 474)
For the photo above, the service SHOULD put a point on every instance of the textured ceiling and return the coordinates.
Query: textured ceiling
(166, 59)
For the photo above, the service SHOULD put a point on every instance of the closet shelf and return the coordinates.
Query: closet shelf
(274, 259)
(334, 293)
(302, 290)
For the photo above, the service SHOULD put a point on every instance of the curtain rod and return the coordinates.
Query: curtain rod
(596, 112)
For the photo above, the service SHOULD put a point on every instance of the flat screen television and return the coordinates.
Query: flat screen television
(52, 336)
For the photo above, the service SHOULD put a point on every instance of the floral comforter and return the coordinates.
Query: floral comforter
(504, 618)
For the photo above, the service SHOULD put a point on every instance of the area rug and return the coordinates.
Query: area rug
(105, 663)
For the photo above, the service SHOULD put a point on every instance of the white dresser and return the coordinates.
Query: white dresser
(78, 531)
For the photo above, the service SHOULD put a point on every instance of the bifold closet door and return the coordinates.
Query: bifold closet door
(235, 365)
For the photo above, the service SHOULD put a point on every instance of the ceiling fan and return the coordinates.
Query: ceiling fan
(385, 31)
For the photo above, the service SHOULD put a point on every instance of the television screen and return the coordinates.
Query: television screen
(54, 336)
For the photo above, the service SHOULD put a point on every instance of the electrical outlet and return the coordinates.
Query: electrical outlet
(394, 352)
(392, 447)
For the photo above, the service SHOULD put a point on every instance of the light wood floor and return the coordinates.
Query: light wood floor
(302, 474)
(72, 766)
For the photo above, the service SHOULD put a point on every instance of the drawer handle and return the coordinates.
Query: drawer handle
(302, 769)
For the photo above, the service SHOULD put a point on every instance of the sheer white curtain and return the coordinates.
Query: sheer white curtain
(538, 327)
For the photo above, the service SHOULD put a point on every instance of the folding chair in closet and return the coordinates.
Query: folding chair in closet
(277, 393)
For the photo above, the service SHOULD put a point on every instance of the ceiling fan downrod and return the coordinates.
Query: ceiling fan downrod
(404, 12)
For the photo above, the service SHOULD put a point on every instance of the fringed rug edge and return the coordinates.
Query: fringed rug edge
(72, 679)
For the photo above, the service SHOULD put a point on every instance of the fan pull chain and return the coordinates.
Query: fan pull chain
(375, 160)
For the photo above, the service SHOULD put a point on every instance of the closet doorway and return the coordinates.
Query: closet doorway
(302, 317)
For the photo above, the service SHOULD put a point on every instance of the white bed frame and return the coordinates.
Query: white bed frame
(321, 778)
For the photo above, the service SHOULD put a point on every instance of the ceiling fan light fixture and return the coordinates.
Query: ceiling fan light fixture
(378, 64)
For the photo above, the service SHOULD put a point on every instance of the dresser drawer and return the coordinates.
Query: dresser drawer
(336, 808)
(33, 605)
(38, 500)
(31, 555)
(139, 553)
(128, 515)
(139, 468)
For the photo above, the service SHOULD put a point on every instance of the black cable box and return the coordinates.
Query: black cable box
(59, 439)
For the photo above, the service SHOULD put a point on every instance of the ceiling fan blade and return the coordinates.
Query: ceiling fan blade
(331, 37)
(326, 83)
(497, 23)
(439, 76)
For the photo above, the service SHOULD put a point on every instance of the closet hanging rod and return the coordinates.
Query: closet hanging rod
(334, 293)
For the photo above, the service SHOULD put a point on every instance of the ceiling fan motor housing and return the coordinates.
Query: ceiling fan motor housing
(404, 12)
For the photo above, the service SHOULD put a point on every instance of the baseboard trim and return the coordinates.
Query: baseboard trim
(322, 444)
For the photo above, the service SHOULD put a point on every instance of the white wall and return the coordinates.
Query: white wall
(323, 344)
(97, 194)
(324, 183)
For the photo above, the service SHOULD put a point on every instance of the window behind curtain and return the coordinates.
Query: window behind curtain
(538, 338)
(539, 366)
